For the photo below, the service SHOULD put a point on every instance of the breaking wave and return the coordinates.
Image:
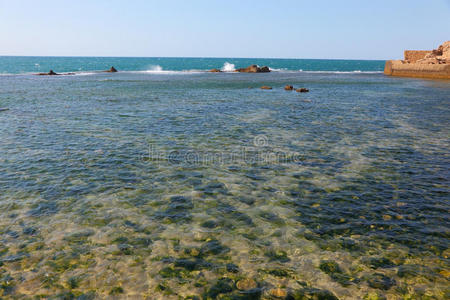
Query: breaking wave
(227, 67)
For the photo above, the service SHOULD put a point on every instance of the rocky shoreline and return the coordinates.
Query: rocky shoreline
(433, 64)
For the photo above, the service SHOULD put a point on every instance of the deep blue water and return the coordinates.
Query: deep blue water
(20, 65)
(176, 185)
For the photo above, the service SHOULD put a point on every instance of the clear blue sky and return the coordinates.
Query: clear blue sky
(359, 29)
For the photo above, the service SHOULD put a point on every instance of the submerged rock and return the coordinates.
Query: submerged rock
(254, 69)
(378, 262)
(222, 286)
(246, 284)
(380, 281)
(265, 87)
(311, 294)
(209, 224)
(232, 268)
(191, 264)
(278, 293)
(330, 267)
(4, 109)
(213, 247)
(277, 255)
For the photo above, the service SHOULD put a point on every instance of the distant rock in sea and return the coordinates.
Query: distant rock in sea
(424, 64)
(288, 88)
(215, 71)
(302, 90)
(50, 73)
(254, 69)
(112, 70)
(265, 87)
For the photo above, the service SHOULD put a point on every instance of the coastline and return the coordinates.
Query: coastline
(431, 64)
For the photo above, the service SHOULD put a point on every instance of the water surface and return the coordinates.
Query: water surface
(191, 184)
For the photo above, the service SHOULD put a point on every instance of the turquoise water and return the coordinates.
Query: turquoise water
(23, 65)
(194, 185)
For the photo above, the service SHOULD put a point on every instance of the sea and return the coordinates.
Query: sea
(166, 181)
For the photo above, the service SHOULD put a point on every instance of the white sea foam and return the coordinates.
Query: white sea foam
(228, 67)
(155, 69)
(278, 70)
(159, 70)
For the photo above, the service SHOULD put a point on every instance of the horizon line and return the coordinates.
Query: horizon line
(219, 57)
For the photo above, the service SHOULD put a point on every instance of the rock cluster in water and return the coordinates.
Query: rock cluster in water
(254, 69)
(299, 90)
(53, 73)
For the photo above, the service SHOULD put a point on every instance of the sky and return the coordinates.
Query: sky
(345, 29)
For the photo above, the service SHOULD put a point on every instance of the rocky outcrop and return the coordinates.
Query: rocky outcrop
(215, 71)
(288, 88)
(302, 90)
(254, 69)
(112, 70)
(434, 64)
(51, 73)
(265, 87)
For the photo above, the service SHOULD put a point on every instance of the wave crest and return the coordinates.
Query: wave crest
(228, 67)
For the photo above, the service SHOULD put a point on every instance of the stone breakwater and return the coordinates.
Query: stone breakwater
(422, 64)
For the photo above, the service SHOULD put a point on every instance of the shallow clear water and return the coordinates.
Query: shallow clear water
(174, 185)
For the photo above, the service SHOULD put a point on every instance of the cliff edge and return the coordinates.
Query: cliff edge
(422, 64)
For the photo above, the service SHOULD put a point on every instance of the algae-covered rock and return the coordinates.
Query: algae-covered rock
(311, 294)
(116, 290)
(378, 262)
(330, 267)
(222, 286)
(210, 224)
(335, 272)
(191, 264)
(169, 272)
(213, 247)
(7, 284)
(232, 268)
(277, 255)
(374, 296)
(411, 271)
(380, 281)
(278, 272)
(125, 249)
